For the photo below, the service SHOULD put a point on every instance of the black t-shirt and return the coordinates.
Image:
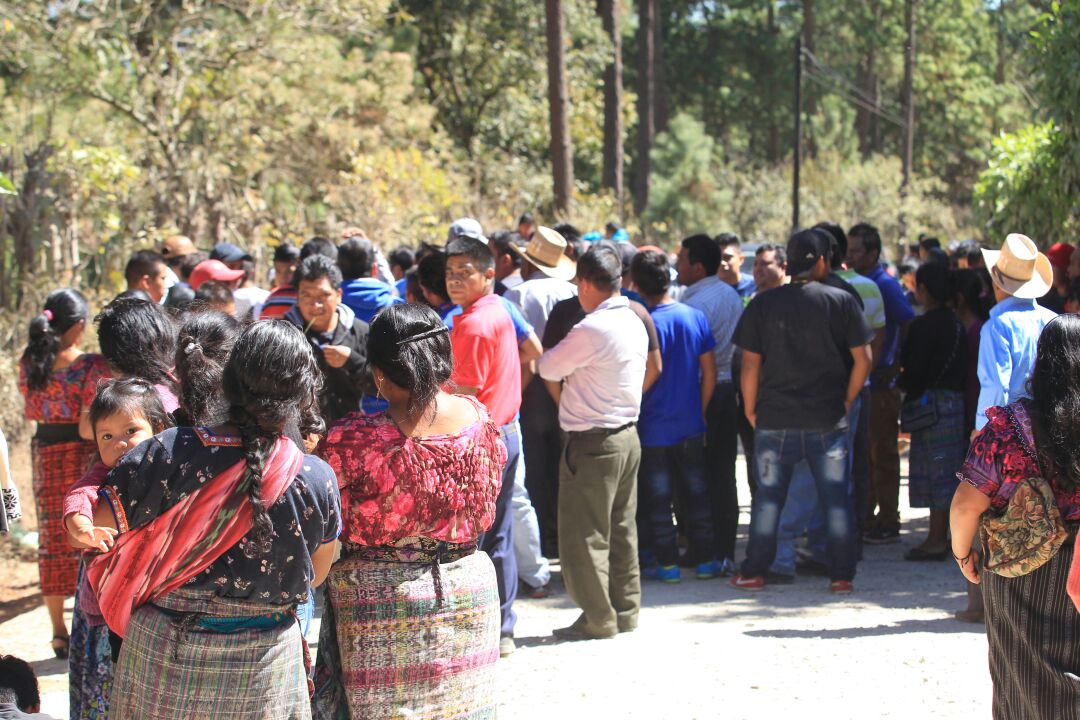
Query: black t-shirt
(804, 333)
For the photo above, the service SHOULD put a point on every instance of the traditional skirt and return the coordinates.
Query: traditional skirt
(1033, 630)
(57, 466)
(937, 453)
(405, 636)
(90, 665)
(172, 667)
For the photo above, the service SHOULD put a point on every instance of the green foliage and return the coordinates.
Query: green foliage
(697, 190)
(1032, 183)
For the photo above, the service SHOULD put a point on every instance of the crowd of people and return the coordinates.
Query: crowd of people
(420, 432)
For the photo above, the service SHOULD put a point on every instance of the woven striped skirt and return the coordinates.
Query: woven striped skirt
(171, 670)
(56, 467)
(397, 641)
(937, 453)
(1033, 630)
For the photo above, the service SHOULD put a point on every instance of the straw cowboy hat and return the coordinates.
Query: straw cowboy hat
(547, 251)
(1019, 269)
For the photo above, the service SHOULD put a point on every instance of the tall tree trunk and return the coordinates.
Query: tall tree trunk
(808, 32)
(562, 166)
(999, 67)
(661, 109)
(613, 122)
(646, 102)
(909, 108)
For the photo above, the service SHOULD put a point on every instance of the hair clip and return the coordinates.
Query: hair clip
(424, 335)
(48, 314)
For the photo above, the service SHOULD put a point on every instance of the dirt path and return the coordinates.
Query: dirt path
(704, 650)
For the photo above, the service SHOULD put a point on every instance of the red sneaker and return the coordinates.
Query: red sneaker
(841, 587)
(742, 582)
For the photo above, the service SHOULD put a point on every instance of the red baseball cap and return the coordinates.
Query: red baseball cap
(1059, 254)
(212, 270)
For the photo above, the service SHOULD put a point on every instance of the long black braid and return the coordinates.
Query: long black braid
(271, 381)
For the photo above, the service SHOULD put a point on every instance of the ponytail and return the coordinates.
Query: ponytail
(63, 309)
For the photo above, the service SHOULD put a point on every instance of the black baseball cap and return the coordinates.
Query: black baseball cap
(227, 252)
(804, 249)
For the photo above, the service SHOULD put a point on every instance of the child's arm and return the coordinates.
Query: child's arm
(79, 505)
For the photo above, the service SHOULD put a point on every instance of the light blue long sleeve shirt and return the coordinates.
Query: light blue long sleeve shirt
(1007, 346)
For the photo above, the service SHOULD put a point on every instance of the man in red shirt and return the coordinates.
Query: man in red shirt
(487, 365)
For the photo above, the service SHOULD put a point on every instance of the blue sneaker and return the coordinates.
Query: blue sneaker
(708, 570)
(727, 567)
(667, 573)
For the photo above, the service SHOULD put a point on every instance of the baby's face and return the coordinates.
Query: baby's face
(118, 433)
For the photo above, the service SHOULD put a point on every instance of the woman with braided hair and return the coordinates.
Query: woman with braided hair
(224, 531)
(411, 623)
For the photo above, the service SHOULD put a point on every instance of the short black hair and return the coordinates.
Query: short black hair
(18, 684)
(651, 273)
(474, 250)
(502, 241)
(318, 245)
(214, 294)
(355, 258)
(871, 238)
(142, 262)
(612, 227)
(601, 267)
(725, 239)
(703, 250)
(431, 273)
(526, 217)
(129, 395)
(780, 250)
(937, 279)
(286, 253)
(839, 246)
(403, 257)
(138, 338)
(315, 267)
(929, 243)
(188, 262)
(570, 233)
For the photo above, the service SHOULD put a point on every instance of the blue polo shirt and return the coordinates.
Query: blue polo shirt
(898, 312)
(671, 410)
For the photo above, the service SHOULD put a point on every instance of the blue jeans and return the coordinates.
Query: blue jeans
(498, 541)
(776, 453)
(802, 510)
(665, 470)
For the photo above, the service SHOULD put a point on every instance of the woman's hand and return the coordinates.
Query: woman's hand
(970, 566)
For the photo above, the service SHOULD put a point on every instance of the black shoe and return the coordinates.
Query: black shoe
(917, 554)
(772, 578)
(882, 536)
(575, 632)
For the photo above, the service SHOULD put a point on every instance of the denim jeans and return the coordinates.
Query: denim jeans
(802, 510)
(533, 568)
(776, 453)
(666, 470)
(498, 541)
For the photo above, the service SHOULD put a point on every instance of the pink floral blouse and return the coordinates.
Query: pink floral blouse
(394, 487)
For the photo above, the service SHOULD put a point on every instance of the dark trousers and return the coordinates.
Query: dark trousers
(885, 457)
(721, 450)
(498, 541)
(746, 437)
(597, 528)
(667, 471)
(860, 467)
(542, 441)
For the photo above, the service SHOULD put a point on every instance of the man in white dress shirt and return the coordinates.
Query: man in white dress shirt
(596, 375)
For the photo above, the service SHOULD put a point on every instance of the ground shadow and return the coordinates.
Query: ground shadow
(52, 666)
(939, 625)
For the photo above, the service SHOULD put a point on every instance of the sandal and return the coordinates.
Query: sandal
(61, 652)
(918, 554)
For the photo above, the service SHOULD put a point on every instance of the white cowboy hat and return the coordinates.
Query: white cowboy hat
(547, 251)
(1019, 269)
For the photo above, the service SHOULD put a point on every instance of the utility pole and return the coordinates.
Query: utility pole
(909, 112)
(798, 135)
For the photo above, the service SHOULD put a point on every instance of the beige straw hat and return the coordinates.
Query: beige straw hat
(1019, 269)
(547, 251)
